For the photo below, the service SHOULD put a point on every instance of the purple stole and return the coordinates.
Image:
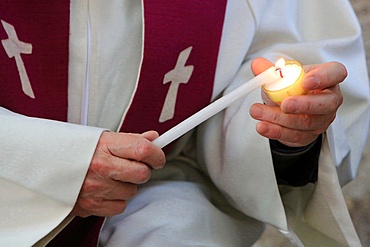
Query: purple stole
(170, 28)
(45, 25)
(178, 36)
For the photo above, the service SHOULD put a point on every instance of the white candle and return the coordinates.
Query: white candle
(289, 83)
(269, 76)
(289, 75)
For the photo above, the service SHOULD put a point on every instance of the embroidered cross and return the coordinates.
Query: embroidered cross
(180, 74)
(13, 48)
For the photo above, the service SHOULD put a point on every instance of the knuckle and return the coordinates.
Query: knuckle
(341, 100)
(90, 187)
(142, 150)
(96, 161)
(333, 108)
(144, 174)
(306, 121)
(98, 164)
(89, 204)
(275, 117)
(340, 97)
(330, 119)
(277, 134)
(308, 106)
(297, 136)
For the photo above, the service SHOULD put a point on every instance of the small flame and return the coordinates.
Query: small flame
(280, 65)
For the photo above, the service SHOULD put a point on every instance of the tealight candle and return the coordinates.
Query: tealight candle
(289, 83)
(279, 81)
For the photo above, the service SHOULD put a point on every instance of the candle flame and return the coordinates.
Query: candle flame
(280, 65)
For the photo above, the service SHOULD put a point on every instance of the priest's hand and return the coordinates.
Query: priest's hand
(121, 161)
(301, 119)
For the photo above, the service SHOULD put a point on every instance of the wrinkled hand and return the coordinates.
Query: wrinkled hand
(121, 161)
(301, 119)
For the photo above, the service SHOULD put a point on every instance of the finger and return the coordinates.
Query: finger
(289, 137)
(122, 191)
(306, 122)
(130, 171)
(136, 147)
(259, 65)
(108, 189)
(150, 135)
(326, 101)
(323, 76)
(98, 207)
(106, 166)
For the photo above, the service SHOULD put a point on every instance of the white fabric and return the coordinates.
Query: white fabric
(112, 79)
(39, 185)
(173, 224)
(228, 149)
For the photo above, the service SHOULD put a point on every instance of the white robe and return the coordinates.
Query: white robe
(229, 151)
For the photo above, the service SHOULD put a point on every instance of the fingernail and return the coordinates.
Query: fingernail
(311, 83)
(291, 106)
(256, 111)
(262, 128)
(159, 167)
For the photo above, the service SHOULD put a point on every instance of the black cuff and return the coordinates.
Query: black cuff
(296, 166)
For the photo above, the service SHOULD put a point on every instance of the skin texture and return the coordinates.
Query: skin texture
(121, 161)
(301, 119)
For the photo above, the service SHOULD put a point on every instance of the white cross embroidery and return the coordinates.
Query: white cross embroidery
(180, 74)
(13, 48)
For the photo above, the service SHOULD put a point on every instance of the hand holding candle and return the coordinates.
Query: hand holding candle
(300, 120)
(290, 81)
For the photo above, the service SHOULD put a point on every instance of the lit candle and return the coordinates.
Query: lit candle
(279, 76)
(289, 83)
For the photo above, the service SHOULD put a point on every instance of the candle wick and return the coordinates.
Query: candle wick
(280, 71)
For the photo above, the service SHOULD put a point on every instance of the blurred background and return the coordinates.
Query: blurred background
(357, 193)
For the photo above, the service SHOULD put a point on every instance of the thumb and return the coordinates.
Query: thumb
(259, 65)
(150, 135)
